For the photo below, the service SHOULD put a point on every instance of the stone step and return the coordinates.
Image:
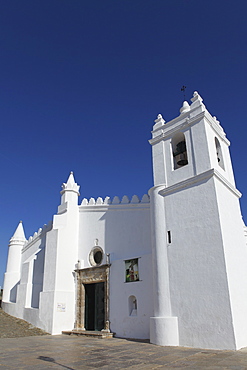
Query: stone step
(88, 333)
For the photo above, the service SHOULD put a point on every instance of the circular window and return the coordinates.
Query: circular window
(96, 256)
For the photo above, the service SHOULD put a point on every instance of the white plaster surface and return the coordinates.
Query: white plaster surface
(164, 331)
(191, 290)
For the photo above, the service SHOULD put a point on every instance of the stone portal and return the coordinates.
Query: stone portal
(92, 311)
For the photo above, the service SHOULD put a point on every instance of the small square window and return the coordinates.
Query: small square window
(131, 270)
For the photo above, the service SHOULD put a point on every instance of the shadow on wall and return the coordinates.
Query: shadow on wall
(13, 293)
(38, 275)
(1, 295)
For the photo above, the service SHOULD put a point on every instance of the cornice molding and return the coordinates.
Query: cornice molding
(224, 181)
(166, 131)
(217, 128)
(16, 242)
(195, 179)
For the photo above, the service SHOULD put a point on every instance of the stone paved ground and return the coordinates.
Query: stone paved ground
(76, 353)
(40, 352)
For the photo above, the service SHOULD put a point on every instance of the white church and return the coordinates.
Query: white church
(170, 267)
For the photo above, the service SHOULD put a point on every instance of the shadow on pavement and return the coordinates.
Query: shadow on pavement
(50, 359)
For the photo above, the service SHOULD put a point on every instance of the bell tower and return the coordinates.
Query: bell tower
(189, 145)
(198, 245)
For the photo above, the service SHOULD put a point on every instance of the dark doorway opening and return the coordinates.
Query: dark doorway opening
(94, 306)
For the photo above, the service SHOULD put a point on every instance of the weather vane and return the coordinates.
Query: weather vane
(183, 89)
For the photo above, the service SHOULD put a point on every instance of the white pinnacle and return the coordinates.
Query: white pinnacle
(185, 108)
(71, 179)
(19, 233)
(70, 185)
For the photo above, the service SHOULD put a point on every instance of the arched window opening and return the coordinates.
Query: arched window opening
(132, 306)
(179, 150)
(219, 154)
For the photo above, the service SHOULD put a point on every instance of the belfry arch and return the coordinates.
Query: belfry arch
(179, 150)
(219, 153)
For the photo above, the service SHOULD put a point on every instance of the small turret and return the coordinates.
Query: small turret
(70, 191)
(12, 275)
(16, 244)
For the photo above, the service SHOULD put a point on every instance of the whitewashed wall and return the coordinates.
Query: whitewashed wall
(198, 277)
(27, 300)
(122, 231)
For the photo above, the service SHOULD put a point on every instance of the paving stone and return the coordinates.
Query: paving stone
(23, 347)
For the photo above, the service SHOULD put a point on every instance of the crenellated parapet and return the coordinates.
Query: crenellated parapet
(107, 201)
(37, 235)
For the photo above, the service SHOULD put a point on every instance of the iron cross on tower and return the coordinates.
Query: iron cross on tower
(183, 89)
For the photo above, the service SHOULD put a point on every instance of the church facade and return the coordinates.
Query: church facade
(170, 267)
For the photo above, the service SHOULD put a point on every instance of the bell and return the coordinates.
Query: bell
(181, 154)
(181, 159)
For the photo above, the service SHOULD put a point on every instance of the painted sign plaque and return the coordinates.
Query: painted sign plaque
(61, 307)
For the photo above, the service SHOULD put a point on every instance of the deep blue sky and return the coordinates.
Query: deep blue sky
(82, 82)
